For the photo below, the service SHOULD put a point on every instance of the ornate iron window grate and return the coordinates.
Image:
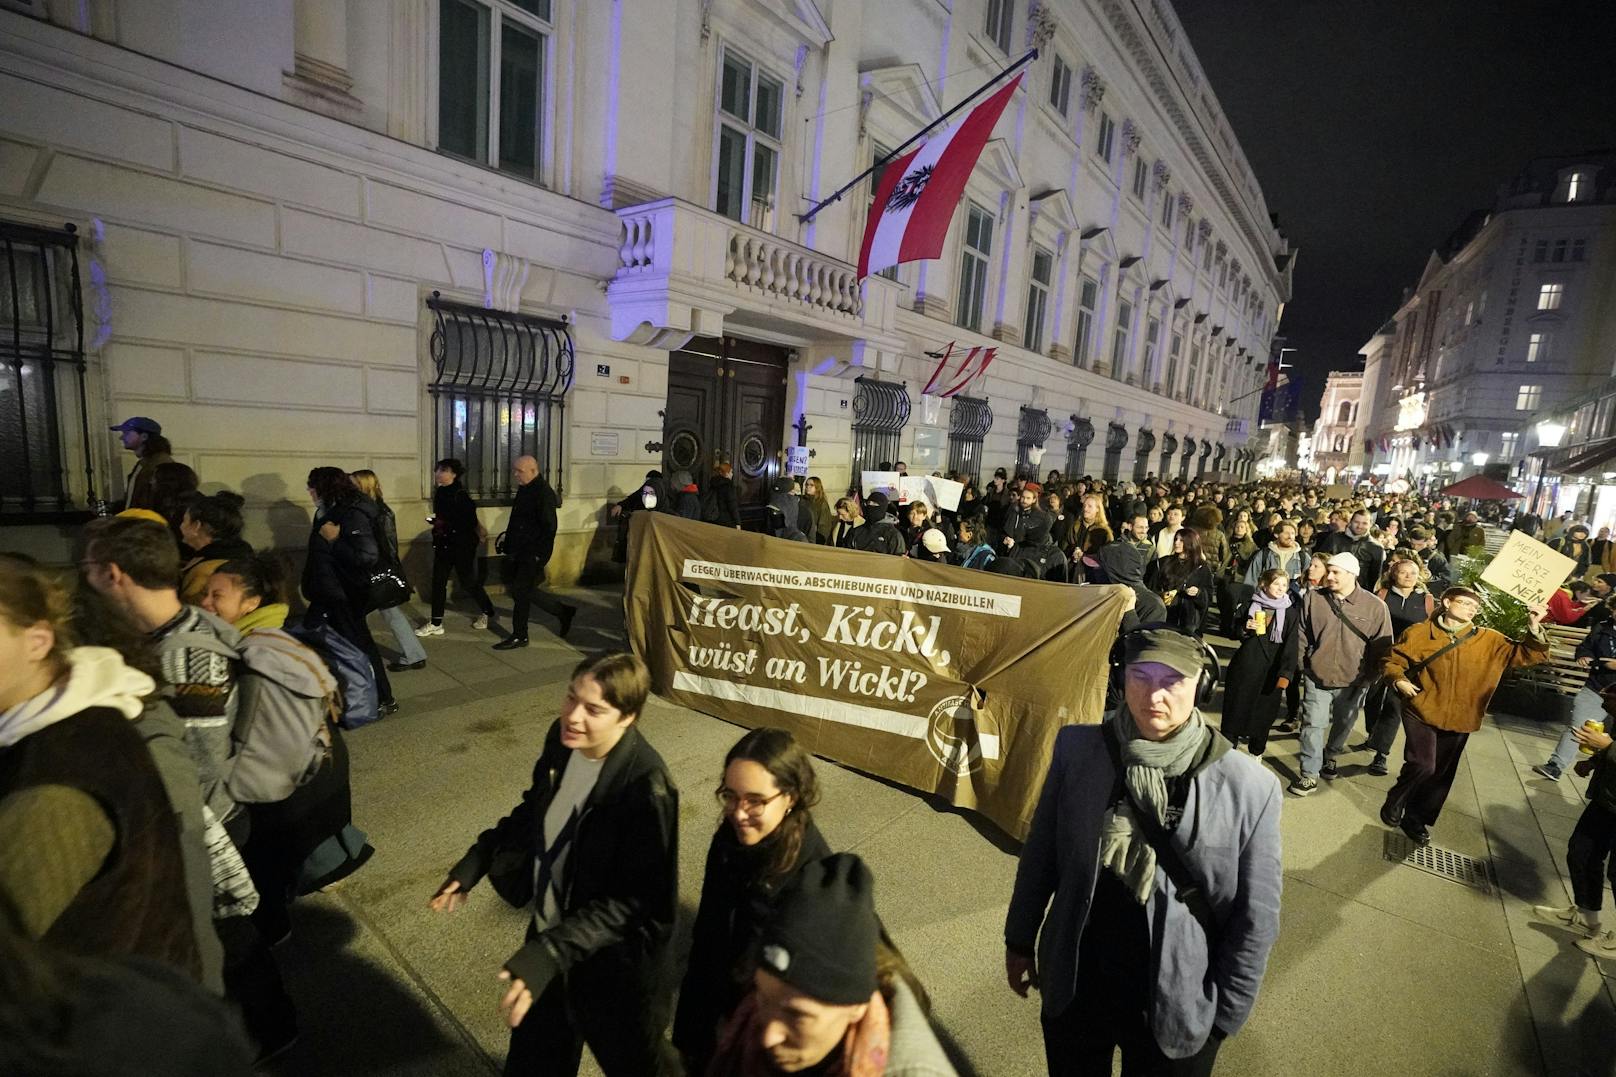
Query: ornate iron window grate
(1435, 860)
(1078, 440)
(969, 421)
(1189, 448)
(499, 390)
(1143, 449)
(1031, 433)
(1116, 439)
(880, 410)
(42, 371)
(1169, 450)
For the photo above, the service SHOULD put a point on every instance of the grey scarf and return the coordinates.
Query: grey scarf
(1124, 849)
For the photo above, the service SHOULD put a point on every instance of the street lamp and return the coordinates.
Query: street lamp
(1479, 459)
(1549, 436)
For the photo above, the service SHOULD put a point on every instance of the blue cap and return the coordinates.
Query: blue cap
(140, 423)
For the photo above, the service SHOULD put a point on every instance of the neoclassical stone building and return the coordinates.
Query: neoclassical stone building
(373, 233)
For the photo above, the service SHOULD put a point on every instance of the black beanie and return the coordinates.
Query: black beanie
(822, 936)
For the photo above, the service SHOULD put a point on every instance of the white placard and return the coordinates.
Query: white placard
(797, 461)
(1527, 569)
(885, 482)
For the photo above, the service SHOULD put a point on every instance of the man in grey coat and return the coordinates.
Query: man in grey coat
(1127, 958)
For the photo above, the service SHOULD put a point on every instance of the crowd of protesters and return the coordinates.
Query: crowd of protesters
(174, 738)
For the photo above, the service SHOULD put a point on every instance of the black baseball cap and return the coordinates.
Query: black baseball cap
(139, 423)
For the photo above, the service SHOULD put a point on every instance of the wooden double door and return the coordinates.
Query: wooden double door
(727, 400)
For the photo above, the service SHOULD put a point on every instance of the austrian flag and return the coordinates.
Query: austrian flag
(918, 192)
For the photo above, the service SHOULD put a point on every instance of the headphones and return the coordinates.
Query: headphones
(1211, 669)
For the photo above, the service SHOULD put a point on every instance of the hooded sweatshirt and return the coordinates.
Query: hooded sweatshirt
(1124, 563)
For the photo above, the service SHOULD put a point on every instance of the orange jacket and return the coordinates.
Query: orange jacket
(1456, 688)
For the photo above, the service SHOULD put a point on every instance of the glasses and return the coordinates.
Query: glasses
(750, 803)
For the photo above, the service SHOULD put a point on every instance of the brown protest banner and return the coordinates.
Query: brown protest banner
(947, 680)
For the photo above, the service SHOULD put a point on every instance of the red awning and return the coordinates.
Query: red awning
(1481, 488)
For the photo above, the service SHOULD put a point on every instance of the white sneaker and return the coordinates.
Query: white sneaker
(1601, 945)
(1570, 918)
(480, 623)
(429, 629)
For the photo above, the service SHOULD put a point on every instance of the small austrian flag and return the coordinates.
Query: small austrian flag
(919, 191)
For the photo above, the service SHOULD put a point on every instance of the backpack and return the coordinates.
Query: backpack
(360, 704)
(285, 696)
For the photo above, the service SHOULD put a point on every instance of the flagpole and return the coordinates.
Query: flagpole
(916, 137)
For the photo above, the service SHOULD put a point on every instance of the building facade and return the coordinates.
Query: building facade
(306, 232)
(1335, 434)
(1512, 317)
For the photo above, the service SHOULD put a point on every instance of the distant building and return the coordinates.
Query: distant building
(1511, 318)
(1335, 432)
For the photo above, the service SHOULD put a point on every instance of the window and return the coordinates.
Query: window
(1000, 14)
(1510, 440)
(1540, 251)
(1549, 296)
(1167, 210)
(1577, 250)
(1559, 254)
(1528, 397)
(1043, 270)
(1537, 347)
(491, 82)
(1060, 86)
(1088, 297)
(1141, 178)
(1206, 255)
(1470, 312)
(973, 281)
(1152, 331)
(1106, 138)
(1223, 273)
(750, 105)
(42, 392)
(1174, 348)
(1189, 233)
(1119, 338)
(1576, 186)
(484, 413)
(1192, 385)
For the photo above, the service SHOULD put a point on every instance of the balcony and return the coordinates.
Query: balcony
(685, 271)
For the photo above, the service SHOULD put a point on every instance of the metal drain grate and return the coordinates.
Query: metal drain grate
(1435, 860)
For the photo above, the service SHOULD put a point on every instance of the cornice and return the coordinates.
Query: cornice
(1147, 60)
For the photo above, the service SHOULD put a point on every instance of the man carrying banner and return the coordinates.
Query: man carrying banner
(1445, 670)
(1156, 852)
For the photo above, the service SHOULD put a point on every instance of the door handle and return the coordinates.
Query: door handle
(653, 446)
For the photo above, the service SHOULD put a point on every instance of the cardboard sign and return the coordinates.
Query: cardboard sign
(1337, 492)
(797, 461)
(937, 492)
(946, 680)
(1528, 569)
(885, 482)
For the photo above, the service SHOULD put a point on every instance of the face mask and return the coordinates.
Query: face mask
(648, 499)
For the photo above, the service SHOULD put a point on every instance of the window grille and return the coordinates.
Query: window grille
(1031, 433)
(498, 390)
(880, 410)
(1141, 454)
(1077, 447)
(1116, 439)
(1206, 454)
(968, 424)
(42, 374)
(1184, 460)
(1169, 449)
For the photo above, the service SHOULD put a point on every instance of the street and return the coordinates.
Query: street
(1380, 967)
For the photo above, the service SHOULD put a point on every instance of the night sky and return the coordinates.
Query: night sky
(1375, 126)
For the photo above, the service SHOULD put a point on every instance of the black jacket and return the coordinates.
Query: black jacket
(1598, 645)
(339, 572)
(454, 518)
(875, 536)
(735, 903)
(1186, 613)
(719, 502)
(619, 885)
(531, 532)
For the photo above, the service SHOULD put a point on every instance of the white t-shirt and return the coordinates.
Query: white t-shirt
(577, 781)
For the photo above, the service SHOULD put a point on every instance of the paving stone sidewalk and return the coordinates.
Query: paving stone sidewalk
(1380, 967)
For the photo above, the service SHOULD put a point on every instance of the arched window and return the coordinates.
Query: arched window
(1344, 415)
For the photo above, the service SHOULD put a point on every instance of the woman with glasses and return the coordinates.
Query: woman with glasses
(766, 832)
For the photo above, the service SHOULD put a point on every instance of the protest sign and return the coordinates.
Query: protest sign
(885, 482)
(1339, 491)
(797, 461)
(1527, 569)
(937, 492)
(943, 679)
